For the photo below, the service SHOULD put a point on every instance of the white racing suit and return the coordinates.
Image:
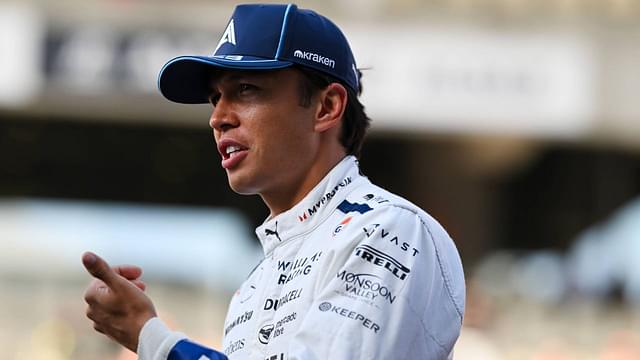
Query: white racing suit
(350, 272)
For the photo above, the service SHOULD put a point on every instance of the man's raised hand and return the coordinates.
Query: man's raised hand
(117, 304)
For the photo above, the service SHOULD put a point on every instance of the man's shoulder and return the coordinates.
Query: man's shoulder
(369, 196)
(388, 226)
(372, 206)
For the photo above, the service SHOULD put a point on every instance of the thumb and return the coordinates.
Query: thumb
(99, 269)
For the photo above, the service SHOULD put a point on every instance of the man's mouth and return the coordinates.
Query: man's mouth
(232, 150)
(232, 153)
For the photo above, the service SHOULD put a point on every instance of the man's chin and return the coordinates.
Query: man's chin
(241, 188)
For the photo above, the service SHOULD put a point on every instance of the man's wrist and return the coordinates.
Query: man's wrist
(156, 340)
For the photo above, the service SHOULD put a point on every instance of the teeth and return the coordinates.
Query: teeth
(232, 149)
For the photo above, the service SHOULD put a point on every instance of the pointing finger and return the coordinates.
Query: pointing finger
(99, 268)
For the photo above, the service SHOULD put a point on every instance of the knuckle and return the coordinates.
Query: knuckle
(91, 314)
(89, 298)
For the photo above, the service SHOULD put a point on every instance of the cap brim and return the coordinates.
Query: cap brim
(185, 79)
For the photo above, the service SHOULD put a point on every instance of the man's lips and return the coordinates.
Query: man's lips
(232, 152)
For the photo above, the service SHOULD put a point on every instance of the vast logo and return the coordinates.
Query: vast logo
(365, 286)
(229, 36)
(404, 246)
(379, 258)
(324, 199)
(315, 58)
(349, 314)
(265, 333)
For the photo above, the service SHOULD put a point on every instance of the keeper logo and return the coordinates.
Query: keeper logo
(329, 308)
(315, 58)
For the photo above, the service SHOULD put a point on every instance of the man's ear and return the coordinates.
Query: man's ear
(332, 102)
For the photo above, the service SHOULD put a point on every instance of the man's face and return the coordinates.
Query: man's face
(266, 139)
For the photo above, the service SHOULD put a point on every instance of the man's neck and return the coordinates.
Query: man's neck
(286, 197)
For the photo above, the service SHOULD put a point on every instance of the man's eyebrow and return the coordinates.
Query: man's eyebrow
(239, 75)
(236, 76)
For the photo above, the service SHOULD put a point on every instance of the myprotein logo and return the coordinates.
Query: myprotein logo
(323, 200)
(381, 259)
(307, 55)
(365, 286)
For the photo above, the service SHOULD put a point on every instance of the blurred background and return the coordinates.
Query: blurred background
(514, 122)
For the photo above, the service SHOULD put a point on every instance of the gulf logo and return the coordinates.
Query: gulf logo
(341, 226)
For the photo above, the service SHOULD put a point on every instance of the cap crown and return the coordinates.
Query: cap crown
(286, 33)
(263, 37)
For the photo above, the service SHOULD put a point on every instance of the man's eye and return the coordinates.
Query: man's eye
(246, 87)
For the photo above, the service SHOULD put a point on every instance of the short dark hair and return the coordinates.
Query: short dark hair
(355, 121)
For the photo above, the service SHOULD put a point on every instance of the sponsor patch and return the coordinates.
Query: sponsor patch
(275, 304)
(264, 334)
(342, 225)
(317, 58)
(323, 200)
(290, 270)
(383, 260)
(246, 316)
(347, 207)
(349, 314)
(367, 287)
(234, 346)
(393, 239)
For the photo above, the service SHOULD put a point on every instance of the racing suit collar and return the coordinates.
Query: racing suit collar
(313, 209)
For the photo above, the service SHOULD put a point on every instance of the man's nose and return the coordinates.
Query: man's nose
(222, 116)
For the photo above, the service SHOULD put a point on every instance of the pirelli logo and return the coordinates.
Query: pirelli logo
(379, 258)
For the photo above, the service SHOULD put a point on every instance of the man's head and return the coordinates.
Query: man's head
(275, 46)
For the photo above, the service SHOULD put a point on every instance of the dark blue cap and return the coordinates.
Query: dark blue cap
(263, 37)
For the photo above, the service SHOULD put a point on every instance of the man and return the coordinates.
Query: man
(350, 271)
